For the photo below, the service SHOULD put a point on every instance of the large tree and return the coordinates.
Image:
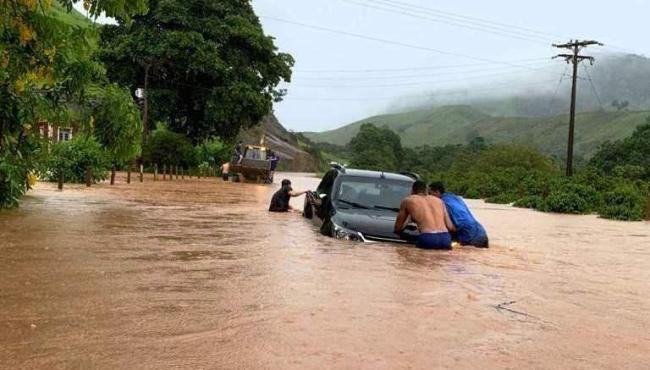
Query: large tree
(205, 67)
(376, 148)
(117, 125)
(45, 67)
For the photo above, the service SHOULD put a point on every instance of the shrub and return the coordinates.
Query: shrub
(625, 202)
(73, 157)
(531, 201)
(214, 152)
(538, 183)
(565, 201)
(167, 147)
(630, 172)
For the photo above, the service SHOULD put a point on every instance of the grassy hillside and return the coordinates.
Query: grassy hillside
(73, 17)
(459, 124)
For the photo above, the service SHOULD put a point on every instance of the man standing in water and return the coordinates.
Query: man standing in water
(430, 215)
(468, 230)
(280, 200)
(225, 171)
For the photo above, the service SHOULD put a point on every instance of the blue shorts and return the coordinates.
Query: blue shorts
(434, 241)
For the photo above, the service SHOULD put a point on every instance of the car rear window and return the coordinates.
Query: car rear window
(373, 192)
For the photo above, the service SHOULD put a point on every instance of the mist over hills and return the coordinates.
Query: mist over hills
(613, 99)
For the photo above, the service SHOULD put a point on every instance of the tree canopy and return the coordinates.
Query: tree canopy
(630, 157)
(117, 123)
(45, 67)
(376, 148)
(208, 67)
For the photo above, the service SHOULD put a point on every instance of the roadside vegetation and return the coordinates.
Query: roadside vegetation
(200, 71)
(614, 183)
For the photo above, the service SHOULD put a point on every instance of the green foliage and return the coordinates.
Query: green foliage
(71, 158)
(629, 157)
(211, 69)
(625, 202)
(117, 124)
(212, 152)
(115, 9)
(45, 67)
(72, 17)
(169, 148)
(530, 201)
(376, 149)
(460, 124)
(527, 178)
(565, 201)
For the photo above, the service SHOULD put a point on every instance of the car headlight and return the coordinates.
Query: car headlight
(347, 234)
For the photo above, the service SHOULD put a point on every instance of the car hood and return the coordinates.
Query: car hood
(370, 223)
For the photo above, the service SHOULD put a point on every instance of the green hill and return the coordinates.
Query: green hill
(459, 124)
(73, 17)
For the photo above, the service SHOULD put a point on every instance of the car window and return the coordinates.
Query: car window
(373, 192)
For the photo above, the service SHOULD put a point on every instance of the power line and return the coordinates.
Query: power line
(593, 87)
(419, 75)
(396, 9)
(389, 42)
(408, 69)
(555, 92)
(501, 27)
(474, 19)
(419, 83)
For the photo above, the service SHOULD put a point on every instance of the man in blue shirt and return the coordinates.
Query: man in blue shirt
(468, 230)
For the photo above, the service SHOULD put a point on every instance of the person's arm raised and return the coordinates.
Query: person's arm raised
(402, 216)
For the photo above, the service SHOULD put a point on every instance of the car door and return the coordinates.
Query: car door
(316, 202)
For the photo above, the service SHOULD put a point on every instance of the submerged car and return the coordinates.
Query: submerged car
(360, 205)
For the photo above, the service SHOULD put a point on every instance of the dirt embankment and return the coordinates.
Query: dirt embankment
(279, 139)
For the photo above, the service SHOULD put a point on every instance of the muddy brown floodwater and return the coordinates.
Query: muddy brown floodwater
(196, 274)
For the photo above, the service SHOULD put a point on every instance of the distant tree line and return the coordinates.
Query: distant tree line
(614, 183)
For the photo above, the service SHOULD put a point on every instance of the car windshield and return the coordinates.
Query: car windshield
(255, 153)
(371, 193)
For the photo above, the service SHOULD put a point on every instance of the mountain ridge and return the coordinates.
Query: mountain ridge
(459, 124)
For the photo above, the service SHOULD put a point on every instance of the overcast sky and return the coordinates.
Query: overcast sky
(342, 78)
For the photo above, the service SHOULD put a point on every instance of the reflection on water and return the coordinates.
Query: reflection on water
(196, 274)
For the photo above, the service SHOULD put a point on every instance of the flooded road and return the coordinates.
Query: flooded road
(196, 274)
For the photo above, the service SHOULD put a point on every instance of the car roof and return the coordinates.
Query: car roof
(375, 174)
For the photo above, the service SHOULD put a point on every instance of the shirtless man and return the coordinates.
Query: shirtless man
(225, 170)
(430, 215)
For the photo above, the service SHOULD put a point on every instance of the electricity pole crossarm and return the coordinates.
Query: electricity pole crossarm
(575, 59)
(580, 44)
(569, 58)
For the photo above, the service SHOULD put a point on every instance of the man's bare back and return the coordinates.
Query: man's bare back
(428, 212)
(431, 216)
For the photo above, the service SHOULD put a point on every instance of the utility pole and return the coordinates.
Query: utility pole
(575, 58)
